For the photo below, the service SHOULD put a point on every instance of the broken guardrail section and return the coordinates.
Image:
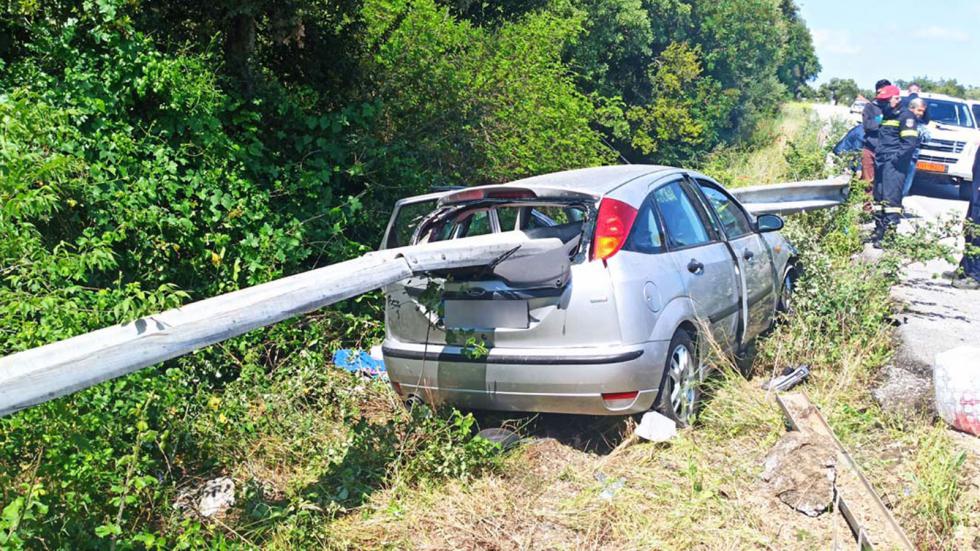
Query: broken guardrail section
(41, 374)
(794, 197)
(34, 376)
(872, 523)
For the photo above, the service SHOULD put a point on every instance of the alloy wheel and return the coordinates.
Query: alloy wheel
(684, 383)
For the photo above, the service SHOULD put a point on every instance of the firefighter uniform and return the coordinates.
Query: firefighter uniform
(899, 138)
(971, 257)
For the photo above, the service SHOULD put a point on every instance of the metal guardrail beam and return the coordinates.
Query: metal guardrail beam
(40, 374)
(34, 376)
(794, 197)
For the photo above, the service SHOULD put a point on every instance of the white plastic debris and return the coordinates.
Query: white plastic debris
(376, 353)
(214, 497)
(656, 427)
(957, 381)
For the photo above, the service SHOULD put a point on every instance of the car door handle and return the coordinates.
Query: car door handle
(748, 255)
(695, 267)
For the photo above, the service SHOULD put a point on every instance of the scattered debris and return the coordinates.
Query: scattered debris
(957, 378)
(788, 378)
(359, 361)
(904, 392)
(801, 469)
(656, 427)
(505, 437)
(376, 353)
(610, 486)
(872, 523)
(214, 497)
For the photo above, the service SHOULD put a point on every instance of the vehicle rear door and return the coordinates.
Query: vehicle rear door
(511, 303)
(752, 254)
(701, 257)
(405, 218)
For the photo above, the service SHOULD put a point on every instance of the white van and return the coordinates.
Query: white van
(954, 137)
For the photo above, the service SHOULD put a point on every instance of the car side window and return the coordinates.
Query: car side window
(682, 222)
(476, 223)
(507, 218)
(645, 236)
(732, 218)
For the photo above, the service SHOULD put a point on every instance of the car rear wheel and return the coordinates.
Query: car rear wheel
(681, 392)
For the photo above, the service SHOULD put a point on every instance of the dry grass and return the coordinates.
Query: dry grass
(762, 162)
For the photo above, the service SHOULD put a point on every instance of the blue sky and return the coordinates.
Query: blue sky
(939, 39)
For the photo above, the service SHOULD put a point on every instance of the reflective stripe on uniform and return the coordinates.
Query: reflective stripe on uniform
(890, 122)
(909, 133)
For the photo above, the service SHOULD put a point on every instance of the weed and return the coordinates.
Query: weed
(936, 475)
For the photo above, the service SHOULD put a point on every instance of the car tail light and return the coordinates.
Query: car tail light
(612, 227)
(464, 196)
(619, 400)
(513, 193)
(396, 387)
(620, 395)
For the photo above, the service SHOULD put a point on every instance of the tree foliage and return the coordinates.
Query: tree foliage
(154, 152)
(950, 87)
(839, 90)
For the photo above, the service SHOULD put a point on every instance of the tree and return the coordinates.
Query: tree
(839, 90)
(950, 87)
(799, 64)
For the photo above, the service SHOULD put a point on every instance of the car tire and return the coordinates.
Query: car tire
(680, 393)
(966, 191)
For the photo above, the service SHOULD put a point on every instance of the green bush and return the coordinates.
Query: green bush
(156, 152)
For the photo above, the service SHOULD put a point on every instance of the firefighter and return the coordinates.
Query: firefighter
(899, 137)
(968, 275)
(871, 120)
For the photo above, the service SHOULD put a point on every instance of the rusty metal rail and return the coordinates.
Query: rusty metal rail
(872, 523)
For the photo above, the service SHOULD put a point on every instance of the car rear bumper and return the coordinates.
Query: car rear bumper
(567, 380)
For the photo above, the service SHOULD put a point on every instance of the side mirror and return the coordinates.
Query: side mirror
(768, 222)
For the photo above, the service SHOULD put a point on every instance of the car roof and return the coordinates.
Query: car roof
(929, 95)
(598, 180)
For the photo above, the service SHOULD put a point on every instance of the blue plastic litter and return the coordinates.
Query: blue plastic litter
(359, 361)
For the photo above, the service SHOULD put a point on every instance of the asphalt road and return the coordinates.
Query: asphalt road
(937, 316)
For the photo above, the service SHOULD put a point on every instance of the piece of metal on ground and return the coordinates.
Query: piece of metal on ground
(787, 379)
(872, 523)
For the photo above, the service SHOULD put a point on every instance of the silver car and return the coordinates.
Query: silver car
(610, 323)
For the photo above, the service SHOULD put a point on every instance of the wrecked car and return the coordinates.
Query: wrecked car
(609, 322)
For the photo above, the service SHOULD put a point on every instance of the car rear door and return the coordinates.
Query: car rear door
(511, 303)
(405, 218)
(701, 257)
(752, 253)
